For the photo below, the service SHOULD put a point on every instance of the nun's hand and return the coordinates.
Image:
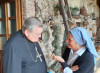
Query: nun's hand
(74, 68)
(61, 69)
(57, 58)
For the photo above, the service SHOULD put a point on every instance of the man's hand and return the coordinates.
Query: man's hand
(57, 58)
(75, 68)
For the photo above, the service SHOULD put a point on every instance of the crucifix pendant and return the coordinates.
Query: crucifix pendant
(39, 56)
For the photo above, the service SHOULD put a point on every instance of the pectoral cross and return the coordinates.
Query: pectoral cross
(38, 55)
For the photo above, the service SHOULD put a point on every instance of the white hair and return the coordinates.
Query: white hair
(30, 23)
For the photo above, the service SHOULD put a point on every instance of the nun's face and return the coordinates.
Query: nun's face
(71, 42)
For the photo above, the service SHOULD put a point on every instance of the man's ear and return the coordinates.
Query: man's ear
(26, 32)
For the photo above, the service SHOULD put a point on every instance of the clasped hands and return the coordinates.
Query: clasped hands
(60, 59)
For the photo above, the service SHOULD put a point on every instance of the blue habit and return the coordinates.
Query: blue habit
(17, 58)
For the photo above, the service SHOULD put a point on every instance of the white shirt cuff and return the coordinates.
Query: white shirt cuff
(68, 70)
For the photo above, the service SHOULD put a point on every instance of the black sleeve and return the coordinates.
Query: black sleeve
(65, 57)
(11, 60)
(64, 65)
(66, 54)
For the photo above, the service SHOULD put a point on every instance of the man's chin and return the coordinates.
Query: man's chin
(36, 40)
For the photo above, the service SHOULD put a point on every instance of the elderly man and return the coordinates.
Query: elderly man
(80, 56)
(22, 53)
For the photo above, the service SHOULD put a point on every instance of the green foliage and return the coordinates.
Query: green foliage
(74, 11)
(56, 41)
(75, 8)
(57, 7)
(71, 10)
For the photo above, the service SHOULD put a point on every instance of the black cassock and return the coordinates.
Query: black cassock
(17, 58)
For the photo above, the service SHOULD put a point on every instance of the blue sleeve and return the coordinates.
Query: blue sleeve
(11, 60)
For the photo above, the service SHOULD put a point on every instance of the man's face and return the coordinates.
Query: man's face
(35, 34)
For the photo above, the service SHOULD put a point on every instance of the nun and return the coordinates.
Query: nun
(80, 55)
